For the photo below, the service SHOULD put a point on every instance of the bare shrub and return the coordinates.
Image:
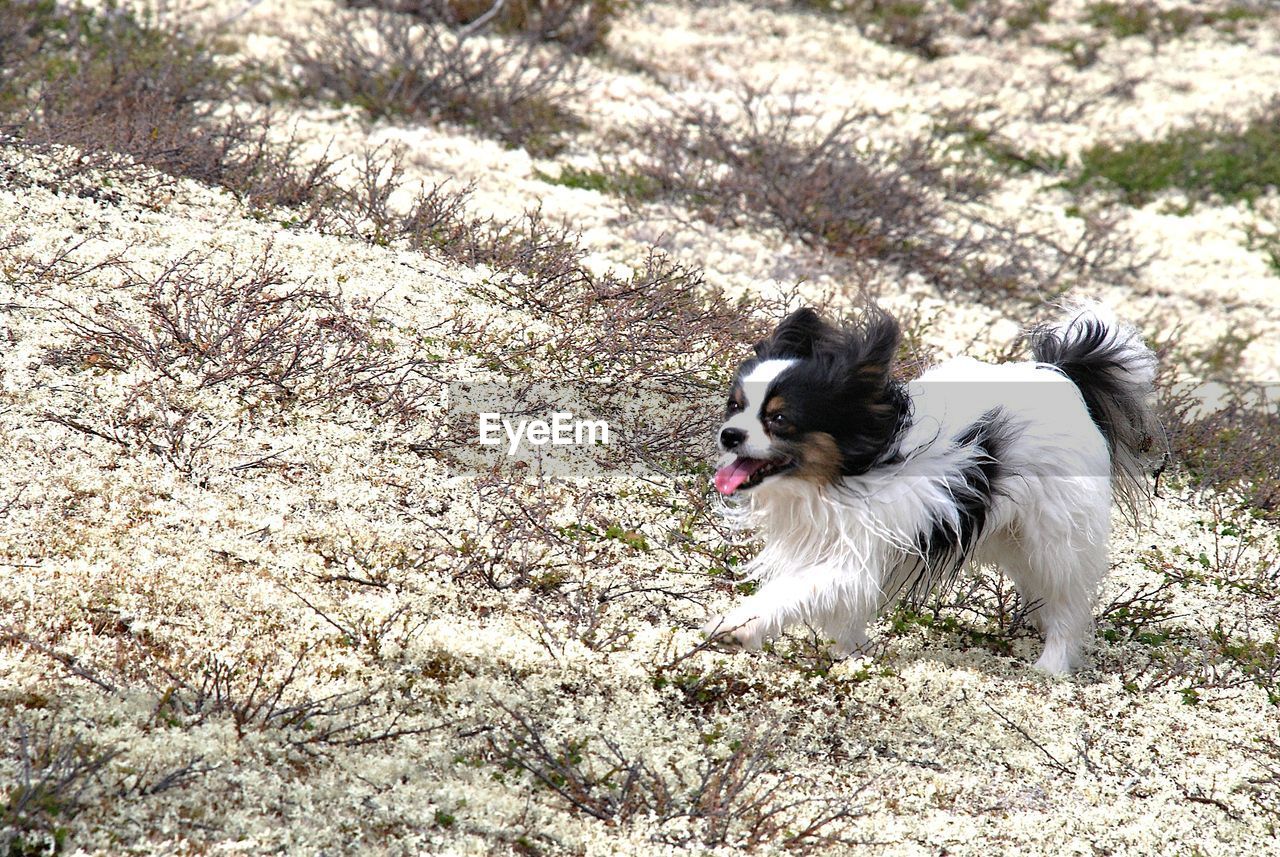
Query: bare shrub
(653, 340)
(904, 204)
(649, 344)
(48, 791)
(514, 545)
(1205, 656)
(815, 184)
(152, 418)
(579, 25)
(1264, 790)
(741, 800)
(35, 276)
(115, 83)
(59, 775)
(657, 336)
(438, 218)
(1228, 445)
(257, 700)
(249, 328)
(564, 544)
(194, 329)
(394, 65)
(352, 559)
(1208, 663)
(1142, 614)
(713, 690)
(11, 634)
(989, 609)
(922, 26)
(1220, 434)
(516, 541)
(362, 630)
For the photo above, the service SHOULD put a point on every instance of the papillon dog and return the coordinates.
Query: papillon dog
(867, 490)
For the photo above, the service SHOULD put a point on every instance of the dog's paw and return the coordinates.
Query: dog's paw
(734, 633)
(1054, 663)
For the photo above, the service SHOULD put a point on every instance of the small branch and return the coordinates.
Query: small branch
(349, 578)
(1053, 760)
(259, 462)
(68, 422)
(391, 735)
(350, 635)
(236, 16)
(8, 504)
(712, 642)
(1198, 796)
(480, 23)
(68, 661)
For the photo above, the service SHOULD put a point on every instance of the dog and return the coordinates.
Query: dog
(868, 490)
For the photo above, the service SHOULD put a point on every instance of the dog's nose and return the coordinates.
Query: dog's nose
(732, 437)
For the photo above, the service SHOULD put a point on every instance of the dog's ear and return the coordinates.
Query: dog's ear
(871, 345)
(797, 335)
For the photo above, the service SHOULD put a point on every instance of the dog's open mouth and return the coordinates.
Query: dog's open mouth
(745, 472)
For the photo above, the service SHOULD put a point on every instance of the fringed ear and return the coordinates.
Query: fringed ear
(872, 345)
(797, 335)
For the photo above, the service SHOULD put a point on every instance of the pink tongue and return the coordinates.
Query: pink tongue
(729, 477)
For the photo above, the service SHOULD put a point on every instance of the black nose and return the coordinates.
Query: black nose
(732, 437)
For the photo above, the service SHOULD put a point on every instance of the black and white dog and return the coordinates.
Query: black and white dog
(867, 489)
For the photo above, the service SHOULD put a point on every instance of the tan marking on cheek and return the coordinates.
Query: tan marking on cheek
(820, 458)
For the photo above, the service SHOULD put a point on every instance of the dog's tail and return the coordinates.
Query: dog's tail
(1115, 373)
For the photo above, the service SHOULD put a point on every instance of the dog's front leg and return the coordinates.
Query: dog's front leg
(742, 628)
(850, 638)
(778, 603)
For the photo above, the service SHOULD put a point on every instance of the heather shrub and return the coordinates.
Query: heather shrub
(578, 25)
(922, 26)
(133, 89)
(908, 204)
(390, 64)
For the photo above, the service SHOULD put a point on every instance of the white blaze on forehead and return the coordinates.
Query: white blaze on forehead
(764, 373)
(755, 387)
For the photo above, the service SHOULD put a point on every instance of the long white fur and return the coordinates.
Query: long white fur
(834, 558)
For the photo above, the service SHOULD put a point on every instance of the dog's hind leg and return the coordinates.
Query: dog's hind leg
(1004, 551)
(1057, 564)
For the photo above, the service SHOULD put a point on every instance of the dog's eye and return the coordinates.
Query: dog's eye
(778, 420)
(733, 406)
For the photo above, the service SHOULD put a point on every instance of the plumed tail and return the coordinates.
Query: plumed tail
(1115, 373)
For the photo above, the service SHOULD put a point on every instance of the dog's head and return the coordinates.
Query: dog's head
(817, 402)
